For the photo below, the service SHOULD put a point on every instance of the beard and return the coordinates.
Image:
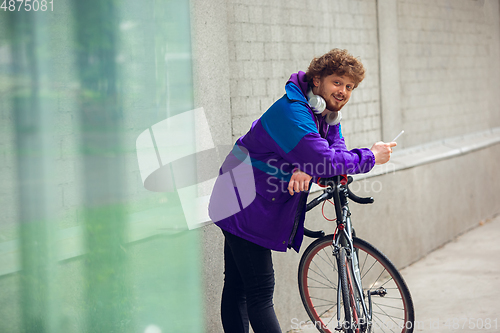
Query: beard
(335, 106)
(332, 104)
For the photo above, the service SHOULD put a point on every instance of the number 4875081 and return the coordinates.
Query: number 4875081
(27, 5)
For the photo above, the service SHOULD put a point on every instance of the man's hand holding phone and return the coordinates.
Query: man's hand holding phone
(382, 151)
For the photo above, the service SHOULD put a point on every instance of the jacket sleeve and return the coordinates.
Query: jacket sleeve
(316, 157)
(302, 146)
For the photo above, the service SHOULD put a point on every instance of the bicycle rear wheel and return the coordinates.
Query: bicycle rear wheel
(392, 306)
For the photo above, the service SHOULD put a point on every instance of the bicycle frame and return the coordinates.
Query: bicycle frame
(343, 238)
(362, 270)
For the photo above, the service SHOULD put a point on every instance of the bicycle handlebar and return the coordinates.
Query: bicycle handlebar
(328, 193)
(333, 181)
(313, 234)
(362, 201)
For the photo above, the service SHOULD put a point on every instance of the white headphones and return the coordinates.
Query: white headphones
(318, 105)
(333, 118)
(316, 102)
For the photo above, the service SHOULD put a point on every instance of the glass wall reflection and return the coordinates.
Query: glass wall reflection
(84, 247)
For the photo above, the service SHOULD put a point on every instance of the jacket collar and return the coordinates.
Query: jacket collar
(297, 86)
(296, 90)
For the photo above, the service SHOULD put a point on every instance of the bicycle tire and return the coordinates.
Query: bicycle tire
(393, 312)
(342, 269)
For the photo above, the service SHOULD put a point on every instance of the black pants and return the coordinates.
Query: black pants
(248, 287)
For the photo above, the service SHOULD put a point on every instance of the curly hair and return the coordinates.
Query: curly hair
(339, 62)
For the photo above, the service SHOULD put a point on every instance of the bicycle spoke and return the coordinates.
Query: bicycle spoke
(326, 300)
(387, 306)
(330, 259)
(328, 324)
(379, 326)
(329, 287)
(334, 306)
(388, 297)
(386, 281)
(330, 306)
(364, 262)
(369, 269)
(329, 262)
(380, 313)
(376, 280)
(388, 314)
(322, 273)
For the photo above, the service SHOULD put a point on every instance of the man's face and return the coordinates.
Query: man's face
(335, 90)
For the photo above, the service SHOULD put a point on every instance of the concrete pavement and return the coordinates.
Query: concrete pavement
(456, 288)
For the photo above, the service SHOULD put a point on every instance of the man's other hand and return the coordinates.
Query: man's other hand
(299, 182)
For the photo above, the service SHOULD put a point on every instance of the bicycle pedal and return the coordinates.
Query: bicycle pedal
(379, 292)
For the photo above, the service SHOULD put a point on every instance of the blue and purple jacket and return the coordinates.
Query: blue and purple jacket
(287, 136)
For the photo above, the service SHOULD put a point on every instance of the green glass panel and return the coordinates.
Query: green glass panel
(84, 247)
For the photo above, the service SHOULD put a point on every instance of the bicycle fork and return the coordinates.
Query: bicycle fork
(353, 267)
(357, 284)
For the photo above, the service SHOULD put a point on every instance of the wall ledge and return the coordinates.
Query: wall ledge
(435, 151)
(431, 152)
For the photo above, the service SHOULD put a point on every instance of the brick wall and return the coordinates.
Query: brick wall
(268, 41)
(445, 53)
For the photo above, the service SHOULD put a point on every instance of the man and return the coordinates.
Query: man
(296, 141)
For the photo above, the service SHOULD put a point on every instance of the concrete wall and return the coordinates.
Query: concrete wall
(443, 45)
(432, 70)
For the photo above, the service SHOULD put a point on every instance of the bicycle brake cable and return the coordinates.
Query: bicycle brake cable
(323, 210)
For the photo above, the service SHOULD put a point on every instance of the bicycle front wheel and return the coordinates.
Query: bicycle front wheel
(342, 264)
(390, 300)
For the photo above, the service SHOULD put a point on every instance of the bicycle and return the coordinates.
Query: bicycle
(365, 293)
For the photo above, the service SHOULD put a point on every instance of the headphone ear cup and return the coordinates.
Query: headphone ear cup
(333, 118)
(317, 103)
